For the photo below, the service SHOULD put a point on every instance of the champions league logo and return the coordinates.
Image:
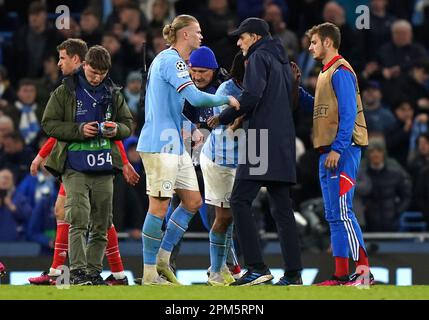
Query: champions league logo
(180, 65)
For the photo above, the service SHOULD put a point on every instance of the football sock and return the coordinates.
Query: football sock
(217, 250)
(341, 267)
(112, 252)
(61, 244)
(151, 238)
(176, 227)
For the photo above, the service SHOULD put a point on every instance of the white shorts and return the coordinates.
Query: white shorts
(218, 182)
(166, 172)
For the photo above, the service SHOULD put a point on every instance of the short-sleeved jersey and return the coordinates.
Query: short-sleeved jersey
(168, 75)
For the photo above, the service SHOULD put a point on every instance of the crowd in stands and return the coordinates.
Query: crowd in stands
(391, 59)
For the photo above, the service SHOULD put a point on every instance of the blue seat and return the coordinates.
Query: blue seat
(411, 221)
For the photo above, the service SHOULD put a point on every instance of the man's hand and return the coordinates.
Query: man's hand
(198, 138)
(9, 203)
(130, 174)
(35, 165)
(213, 122)
(90, 129)
(237, 123)
(109, 129)
(331, 161)
(234, 103)
(296, 71)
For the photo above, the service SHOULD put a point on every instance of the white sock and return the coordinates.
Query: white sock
(119, 275)
(149, 273)
(54, 272)
(164, 256)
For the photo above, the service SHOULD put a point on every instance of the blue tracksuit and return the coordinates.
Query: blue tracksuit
(338, 185)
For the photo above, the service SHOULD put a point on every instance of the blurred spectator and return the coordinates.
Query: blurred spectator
(304, 14)
(32, 42)
(132, 19)
(114, 18)
(398, 136)
(379, 119)
(423, 25)
(305, 60)
(132, 91)
(90, 26)
(349, 7)
(273, 15)
(14, 209)
(397, 56)
(413, 85)
(160, 14)
(383, 187)
(42, 224)
(351, 46)
(6, 127)
(15, 156)
(401, 9)
(255, 8)
(50, 80)
(381, 22)
(156, 45)
(37, 188)
(25, 112)
(7, 94)
(72, 32)
(112, 44)
(420, 126)
(421, 158)
(216, 22)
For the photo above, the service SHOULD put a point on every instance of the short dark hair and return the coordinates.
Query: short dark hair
(98, 58)
(37, 7)
(327, 30)
(423, 135)
(90, 11)
(26, 82)
(74, 47)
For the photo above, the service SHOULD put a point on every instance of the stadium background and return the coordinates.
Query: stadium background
(394, 75)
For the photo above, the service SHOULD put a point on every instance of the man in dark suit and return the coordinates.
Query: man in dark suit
(266, 103)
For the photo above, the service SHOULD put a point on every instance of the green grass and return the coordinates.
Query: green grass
(200, 292)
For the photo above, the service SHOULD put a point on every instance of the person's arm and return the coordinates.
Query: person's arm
(47, 147)
(45, 151)
(174, 71)
(122, 151)
(53, 122)
(344, 84)
(202, 99)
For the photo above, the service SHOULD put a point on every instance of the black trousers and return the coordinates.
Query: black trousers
(243, 194)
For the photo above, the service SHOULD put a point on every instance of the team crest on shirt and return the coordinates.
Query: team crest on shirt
(181, 66)
(167, 186)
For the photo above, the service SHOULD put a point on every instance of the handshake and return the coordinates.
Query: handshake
(107, 129)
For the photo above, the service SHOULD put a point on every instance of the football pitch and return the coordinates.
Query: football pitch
(202, 292)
